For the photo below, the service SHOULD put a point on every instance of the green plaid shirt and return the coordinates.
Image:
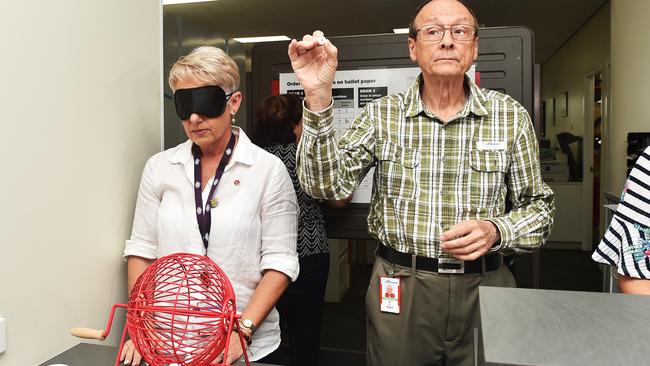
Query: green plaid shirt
(430, 175)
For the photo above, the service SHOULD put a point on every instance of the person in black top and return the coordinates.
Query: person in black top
(278, 130)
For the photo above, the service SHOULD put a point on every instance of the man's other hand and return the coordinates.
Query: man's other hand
(470, 240)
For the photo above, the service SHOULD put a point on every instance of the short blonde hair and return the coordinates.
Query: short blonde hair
(206, 64)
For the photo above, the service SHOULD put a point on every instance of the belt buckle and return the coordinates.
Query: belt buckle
(450, 266)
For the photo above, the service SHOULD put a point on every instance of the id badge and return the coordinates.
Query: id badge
(389, 294)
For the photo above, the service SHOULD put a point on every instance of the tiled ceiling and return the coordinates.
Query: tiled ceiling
(552, 21)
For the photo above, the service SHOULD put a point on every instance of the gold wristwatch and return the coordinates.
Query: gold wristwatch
(248, 325)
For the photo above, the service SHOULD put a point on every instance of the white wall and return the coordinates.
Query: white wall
(565, 71)
(80, 105)
(587, 50)
(630, 94)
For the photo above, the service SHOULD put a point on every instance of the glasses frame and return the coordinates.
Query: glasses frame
(448, 28)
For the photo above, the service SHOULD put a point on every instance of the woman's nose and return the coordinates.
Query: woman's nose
(195, 118)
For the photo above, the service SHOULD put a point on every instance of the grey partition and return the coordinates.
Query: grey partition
(505, 63)
(93, 354)
(545, 327)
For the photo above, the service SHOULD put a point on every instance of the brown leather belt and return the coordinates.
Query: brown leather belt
(491, 261)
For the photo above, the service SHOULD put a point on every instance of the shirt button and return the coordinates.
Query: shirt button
(443, 159)
(443, 193)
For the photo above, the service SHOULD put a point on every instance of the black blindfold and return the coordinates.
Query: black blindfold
(209, 101)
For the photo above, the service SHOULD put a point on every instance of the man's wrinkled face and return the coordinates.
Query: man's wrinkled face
(447, 58)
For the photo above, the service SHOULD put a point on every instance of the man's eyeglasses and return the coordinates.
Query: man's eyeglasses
(436, 32)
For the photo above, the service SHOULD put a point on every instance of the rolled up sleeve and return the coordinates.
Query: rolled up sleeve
(143, 241)
(279, 216)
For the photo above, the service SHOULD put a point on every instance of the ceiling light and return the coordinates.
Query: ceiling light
(262, 39)
(400, 30)
(174, 2)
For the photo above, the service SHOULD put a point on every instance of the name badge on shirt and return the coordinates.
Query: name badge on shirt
(491, 145)
(389, 294)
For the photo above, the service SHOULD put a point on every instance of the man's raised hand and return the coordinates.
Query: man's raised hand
(314, 61)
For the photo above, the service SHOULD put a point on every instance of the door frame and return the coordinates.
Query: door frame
(588, 150)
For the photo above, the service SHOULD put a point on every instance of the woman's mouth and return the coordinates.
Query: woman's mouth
(200, 132)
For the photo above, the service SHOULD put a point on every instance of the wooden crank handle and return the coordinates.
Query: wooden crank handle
(88, 333)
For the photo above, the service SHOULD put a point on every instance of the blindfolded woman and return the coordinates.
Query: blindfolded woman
(220, 195)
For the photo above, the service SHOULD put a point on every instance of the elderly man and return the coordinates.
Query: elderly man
(448, 155)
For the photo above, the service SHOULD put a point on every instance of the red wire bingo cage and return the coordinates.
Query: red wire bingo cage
(181, 311)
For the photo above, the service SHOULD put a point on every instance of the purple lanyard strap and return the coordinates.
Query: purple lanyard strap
(203, 216)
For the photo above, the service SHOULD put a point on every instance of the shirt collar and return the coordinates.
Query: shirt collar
(243, 151)
(475, 103)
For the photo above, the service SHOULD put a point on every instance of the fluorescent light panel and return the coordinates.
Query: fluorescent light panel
(262, 39)
(400, 30)
(174, 2)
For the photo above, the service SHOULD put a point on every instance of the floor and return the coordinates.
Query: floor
(343, 338)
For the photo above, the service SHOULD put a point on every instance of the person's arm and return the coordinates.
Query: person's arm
(279, 259)
(635, 286)
(624, 245)
(327, 170)
(266, 295)
(140, 249)
(528, 224)
(315, 66)
(144, 237)
(339, 203)
(135, 266)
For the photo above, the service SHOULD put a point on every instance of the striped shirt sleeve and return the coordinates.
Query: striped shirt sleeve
(626, 244)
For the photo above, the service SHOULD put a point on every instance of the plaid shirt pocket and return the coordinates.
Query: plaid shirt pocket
(395, 173)
(488, 169)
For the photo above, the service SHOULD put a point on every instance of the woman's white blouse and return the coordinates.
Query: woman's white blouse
(626, 244)
(254, 225)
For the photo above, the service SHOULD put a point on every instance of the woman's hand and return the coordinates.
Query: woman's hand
(129, 355)
(315, 66)
(235, 351)
(267, 293)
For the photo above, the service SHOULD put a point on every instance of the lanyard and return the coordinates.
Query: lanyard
(203, 216)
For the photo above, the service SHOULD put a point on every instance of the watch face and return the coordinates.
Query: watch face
(247, 323)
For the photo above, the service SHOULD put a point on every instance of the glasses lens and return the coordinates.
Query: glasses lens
(207, 100)
(462, 32)
(432, 32)
(435, 33)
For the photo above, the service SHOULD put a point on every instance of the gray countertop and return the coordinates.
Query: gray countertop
(546, 327)
(86, 354)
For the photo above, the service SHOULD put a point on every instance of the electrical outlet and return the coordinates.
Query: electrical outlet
(3, 335)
